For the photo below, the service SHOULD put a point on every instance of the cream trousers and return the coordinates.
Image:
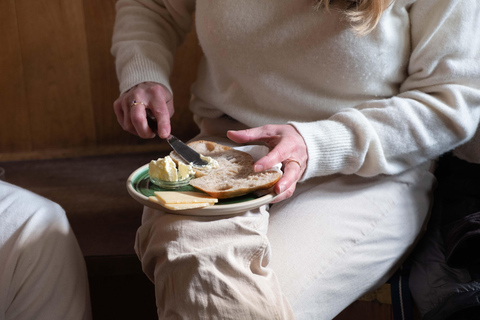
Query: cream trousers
(42, 270)
(307, 257)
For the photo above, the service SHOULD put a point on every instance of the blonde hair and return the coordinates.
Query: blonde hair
(363, 15)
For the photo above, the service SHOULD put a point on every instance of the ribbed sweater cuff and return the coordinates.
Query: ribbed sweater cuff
(139, 69)
(329, 146)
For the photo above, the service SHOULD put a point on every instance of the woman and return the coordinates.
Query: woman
(354, 98)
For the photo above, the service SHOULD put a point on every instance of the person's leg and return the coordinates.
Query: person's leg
(210, 267)
(42, 270)
(341, 236)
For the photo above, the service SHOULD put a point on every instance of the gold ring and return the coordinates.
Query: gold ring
(135, 102)
(291, 160)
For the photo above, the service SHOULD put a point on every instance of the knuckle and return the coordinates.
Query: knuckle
(128, 127)
(161, 111)
(156, 89)
(269, 129)
(285, 195)
(136, 117)
(250, 133)
(132, 96)
(280, 153)
(144, 135)
(289, 192)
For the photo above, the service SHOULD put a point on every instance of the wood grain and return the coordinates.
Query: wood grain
(183, 75)
(99, 21)
(92, 192)
(374, 310)
(58, 81)
(366, 310)
(55, 64)
(14, 118)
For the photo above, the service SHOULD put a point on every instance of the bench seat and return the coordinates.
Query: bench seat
(105, 218)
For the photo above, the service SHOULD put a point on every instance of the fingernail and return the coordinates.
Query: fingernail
(281, 188)
(163, 133)
(258, 168)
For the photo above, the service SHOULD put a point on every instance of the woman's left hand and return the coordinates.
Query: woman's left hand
(287, 146)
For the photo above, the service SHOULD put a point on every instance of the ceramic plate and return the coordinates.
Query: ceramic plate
(140, 188)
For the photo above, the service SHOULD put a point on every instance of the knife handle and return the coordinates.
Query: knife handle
(151, 121)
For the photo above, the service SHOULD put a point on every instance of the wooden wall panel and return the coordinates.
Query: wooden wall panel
(183, 75)
(58, 82)
(14, 118)
(55, 64)
(99, 20)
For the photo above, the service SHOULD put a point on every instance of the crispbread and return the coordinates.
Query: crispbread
(233, 177)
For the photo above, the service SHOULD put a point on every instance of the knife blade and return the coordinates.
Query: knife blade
(188, 154)
(185, 152)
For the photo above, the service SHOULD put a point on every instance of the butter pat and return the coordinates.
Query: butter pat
(166, 169)
(184, 171)
(211, 163)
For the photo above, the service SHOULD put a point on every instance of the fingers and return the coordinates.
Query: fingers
(279, 153)
(284, 195)
(240, 136)
(138, 116)
(286, 185)
(130, 109)
(162, 111)
(287, 146)
(119, 112)
(263, 133)
(274, 136)
(122, 111)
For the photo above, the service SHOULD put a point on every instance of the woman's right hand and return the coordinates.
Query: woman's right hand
(130, 109)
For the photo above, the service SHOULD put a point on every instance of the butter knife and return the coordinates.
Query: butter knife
(185, 152)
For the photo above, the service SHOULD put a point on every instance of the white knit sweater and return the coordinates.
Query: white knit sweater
(365, 105)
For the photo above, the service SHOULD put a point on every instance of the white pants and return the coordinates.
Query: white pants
(307, 257)
(42, 270)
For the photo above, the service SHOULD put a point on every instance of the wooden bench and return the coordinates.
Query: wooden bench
(104, 218)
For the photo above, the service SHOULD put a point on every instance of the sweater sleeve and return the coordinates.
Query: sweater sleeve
(146, 35)
(436, 109)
